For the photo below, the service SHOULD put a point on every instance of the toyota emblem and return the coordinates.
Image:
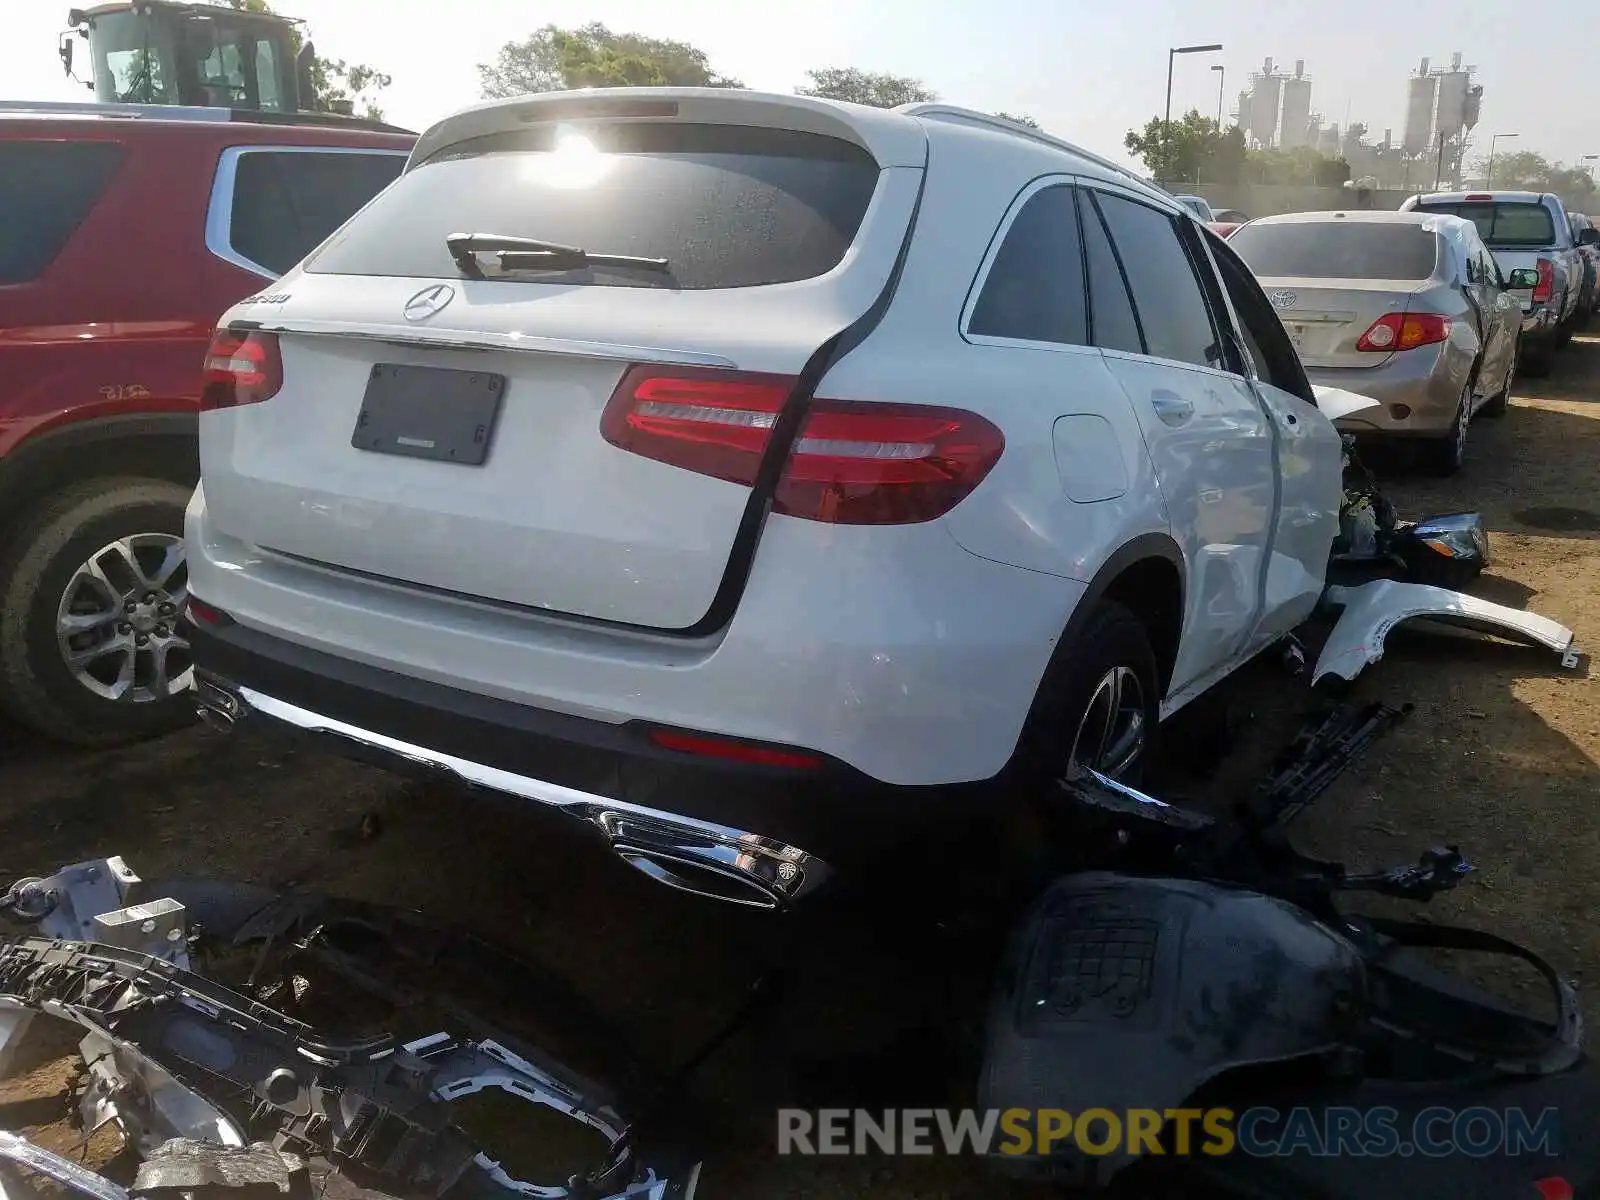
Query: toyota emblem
(429, 301)
(1281, 299)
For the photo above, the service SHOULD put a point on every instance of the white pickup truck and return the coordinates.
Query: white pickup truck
(1535, 247)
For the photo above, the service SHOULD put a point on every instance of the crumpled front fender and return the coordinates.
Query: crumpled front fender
(1372, 611)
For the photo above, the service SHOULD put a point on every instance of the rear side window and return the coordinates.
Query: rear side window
(46, 190)
(287, 202)
(1336, 249)
(1034, 290)
(727, 206)
(1172, 309)
(1114, 324)
(1504, 225)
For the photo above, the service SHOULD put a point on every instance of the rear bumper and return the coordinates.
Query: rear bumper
(1418, 391)
(751, 834)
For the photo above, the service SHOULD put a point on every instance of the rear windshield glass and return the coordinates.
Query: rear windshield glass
(1338, 250)
(1504, 225)
(726, 206)
(46, 190)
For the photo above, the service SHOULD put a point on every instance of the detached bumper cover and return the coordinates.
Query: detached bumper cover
(1372, 611)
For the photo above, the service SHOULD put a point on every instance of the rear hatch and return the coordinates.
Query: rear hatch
(444, 430)
(1331, 279)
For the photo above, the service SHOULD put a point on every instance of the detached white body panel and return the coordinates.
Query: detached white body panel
(1373, 610)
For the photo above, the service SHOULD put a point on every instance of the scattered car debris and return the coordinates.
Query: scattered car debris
(1216, 955)
(1372, 610)
(178, 1061)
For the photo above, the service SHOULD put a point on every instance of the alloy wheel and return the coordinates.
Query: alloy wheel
(1111, 735)
(116, 624)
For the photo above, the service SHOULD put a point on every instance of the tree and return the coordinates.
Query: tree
(1018, 119)
(1532, 170)
(337, 85)
(1188, 149)
(553, 59)
(1302, 165)
(866, 87)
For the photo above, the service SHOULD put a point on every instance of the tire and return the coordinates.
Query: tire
(52, 546)
(1111, 640)
(1444, 456)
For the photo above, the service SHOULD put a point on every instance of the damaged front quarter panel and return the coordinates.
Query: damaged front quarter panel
(1372, 611)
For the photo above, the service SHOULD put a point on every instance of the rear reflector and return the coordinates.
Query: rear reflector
(1392, 331)
(741, 752)
(852, 463)
(240, 368)
(202, 613)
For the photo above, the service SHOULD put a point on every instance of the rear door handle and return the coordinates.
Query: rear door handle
(1172, 409)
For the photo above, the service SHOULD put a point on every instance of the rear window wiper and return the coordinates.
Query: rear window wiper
(531, 254)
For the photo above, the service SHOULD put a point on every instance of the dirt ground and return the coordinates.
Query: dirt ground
(1501, 756)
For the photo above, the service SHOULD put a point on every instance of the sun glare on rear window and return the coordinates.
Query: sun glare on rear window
(726, 206)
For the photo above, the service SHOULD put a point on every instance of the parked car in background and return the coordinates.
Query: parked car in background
(1198, 205)
(1407, 308)
(124, 232)
(1225, 220)
(693, 519)
(1588, 238)
(1529, 236)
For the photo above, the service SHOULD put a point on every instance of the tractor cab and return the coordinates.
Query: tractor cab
(205, 55)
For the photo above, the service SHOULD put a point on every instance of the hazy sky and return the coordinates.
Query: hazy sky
(1087, 72)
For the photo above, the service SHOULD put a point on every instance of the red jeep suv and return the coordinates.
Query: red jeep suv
(124, 233)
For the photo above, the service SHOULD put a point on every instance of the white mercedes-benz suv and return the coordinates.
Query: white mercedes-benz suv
(751, 475)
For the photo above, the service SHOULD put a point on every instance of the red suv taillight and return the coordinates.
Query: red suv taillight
(1546, 287)
(851, 463)
(1392, 331)
(241, 368)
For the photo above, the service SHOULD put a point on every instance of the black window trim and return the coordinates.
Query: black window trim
(1086, 197)
(1228, 260)
(969, 306)
(219, 213)
(1178, 219)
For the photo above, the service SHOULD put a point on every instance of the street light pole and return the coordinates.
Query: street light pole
(1489, 181)
(1222, 75)
(1166, 123)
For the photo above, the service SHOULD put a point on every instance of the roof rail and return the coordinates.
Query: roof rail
(186, 112)
(948, 111)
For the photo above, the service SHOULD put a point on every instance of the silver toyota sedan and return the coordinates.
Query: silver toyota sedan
(1407, 308)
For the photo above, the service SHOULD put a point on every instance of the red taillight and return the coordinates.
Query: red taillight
(741, 752)
(852, 463)
(1546, 287)
(1475, 197)
(241, 368)
(1392, 331)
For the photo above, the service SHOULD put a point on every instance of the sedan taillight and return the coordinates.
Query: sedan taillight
(1392, 331)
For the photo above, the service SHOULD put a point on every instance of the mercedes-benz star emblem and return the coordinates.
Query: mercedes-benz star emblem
(1283, 299)
(429, 301)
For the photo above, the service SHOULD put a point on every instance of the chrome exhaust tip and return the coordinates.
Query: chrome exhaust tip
(217, 707)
